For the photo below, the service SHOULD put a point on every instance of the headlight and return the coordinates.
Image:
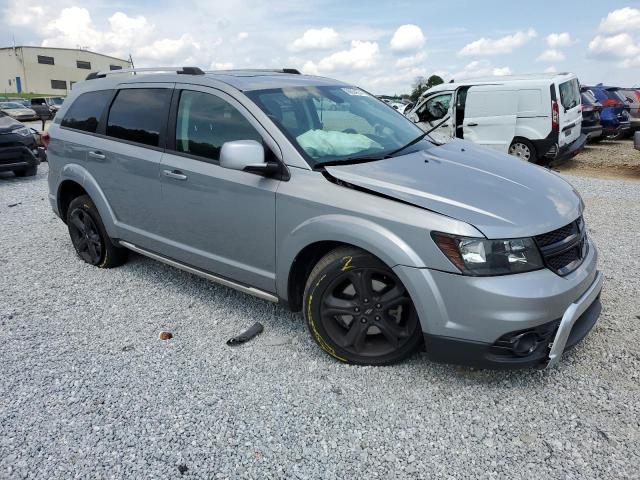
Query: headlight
(22, 131)
(480, 257)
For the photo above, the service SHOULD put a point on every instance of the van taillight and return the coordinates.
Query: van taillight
(45, 139)
(555, 116)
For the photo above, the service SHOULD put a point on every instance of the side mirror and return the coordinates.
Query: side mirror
(413, 116)
(246, 156)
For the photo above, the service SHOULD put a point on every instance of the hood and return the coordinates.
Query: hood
(500, 195)
(8, 124)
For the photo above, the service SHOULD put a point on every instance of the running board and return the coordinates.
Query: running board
(201, 273)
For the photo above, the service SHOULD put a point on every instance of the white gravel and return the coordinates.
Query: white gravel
(87, 389)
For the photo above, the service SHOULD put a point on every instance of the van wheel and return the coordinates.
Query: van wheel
(358, 311)
(524, 150)
(89, 236)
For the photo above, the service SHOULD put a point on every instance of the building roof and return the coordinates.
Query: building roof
(68, 49)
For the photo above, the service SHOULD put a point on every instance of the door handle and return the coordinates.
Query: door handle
(472, 124)
(175, 174)
(97, 155)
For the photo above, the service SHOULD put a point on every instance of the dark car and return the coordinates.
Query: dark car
(632, 96)
(615, 111)
(19, 151)
(591, 109)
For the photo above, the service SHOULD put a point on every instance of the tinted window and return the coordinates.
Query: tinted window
(84, 65)
(59, 84)
(45, 60)
(205, 122)
(84, 114)
(139, 115)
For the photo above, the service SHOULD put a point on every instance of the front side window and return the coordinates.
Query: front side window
(84, 114)
(435, 108)
(335, 123)
(206, 121)
(139, 115)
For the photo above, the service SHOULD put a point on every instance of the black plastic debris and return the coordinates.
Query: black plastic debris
(14, 204)
(254, 330)
(182, 469)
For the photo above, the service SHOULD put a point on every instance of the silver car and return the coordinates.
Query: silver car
(18, 111)
(312, 193)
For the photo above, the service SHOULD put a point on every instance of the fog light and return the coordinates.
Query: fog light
(525, 344)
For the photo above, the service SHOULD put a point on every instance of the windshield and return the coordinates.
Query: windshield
(57, 100)
(10, 105)
(332, 124)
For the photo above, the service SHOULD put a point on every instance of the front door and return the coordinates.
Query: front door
(216, 219)
(432, 112)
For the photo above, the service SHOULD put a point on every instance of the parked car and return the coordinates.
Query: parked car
(19, 152)
(632, 96)
(591, 109)
(384, 238)
(52, 103)
(22, 101)
(536, 118)
(614, 116)
(18, 111)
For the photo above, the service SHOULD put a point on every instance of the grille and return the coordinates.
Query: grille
(564, 249)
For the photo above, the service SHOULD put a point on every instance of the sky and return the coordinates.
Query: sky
(380, 46)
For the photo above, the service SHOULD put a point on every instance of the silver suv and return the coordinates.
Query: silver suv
(312, 193)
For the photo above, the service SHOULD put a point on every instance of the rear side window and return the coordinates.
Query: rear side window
(84, 114)
(569, 94)
(205, 122)
(139, 115)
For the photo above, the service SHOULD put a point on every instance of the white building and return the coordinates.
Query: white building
(50, 71)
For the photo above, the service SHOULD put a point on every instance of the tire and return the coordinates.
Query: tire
(89, 237)
(524, 150)
(27, 172)
(374, 325)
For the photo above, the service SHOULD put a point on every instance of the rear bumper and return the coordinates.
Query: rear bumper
(571, 150)
(592, 131)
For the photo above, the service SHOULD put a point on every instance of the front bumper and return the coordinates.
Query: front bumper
(463, 318)
(19, 157)
(592, 131)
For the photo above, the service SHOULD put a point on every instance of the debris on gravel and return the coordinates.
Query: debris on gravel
(86, 390)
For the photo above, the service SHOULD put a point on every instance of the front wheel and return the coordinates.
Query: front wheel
(358, 311)
(524, 150)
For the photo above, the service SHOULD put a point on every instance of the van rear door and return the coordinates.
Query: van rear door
(490, 116)
(570, 111)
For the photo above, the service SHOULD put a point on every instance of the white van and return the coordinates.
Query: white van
(537, 117)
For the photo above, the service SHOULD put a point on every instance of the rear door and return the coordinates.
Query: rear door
(490, 116)
(570, 111)
(126, 158)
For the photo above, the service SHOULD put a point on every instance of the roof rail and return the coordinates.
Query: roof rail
(178, 70)
(293, 71)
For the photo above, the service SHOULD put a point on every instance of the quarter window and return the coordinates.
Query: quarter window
(45, 60)
(84, 114)
(205, 122)
(139, 115)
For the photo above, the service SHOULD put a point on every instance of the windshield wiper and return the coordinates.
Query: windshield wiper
(352, 160)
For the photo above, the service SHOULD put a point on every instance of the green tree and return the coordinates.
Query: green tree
(422, 84)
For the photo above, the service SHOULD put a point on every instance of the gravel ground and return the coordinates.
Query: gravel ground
(607, 159)
(88, 390)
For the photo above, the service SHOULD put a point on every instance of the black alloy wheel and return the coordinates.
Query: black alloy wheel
(85, 236)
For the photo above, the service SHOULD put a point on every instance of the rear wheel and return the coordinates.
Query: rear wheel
(27, 172)
(358, 311)
(89, 236)
(524, 150)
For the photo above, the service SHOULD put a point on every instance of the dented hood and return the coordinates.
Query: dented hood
(500, 195)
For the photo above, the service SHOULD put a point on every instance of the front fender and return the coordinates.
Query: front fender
(80, 175)
(361, 233)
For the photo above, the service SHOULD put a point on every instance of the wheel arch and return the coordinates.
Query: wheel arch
(75, 181)
(308, 243)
